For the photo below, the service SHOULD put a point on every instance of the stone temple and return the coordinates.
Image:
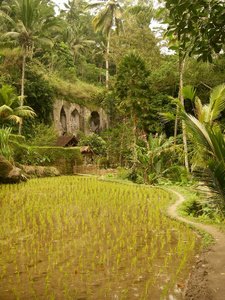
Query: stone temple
(70, 118)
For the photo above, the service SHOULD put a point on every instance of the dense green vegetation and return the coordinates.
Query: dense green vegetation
(107, 54)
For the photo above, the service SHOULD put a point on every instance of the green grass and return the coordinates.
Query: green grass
(79, 92)
(208, 216)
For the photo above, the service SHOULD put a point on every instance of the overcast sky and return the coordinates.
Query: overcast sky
(60, 3)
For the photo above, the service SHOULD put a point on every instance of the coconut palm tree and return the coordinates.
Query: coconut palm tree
(27, 25)
(76, 41)
(110, 16)
(99, 53)
(10, 108)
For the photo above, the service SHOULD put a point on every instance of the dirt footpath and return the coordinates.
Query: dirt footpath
(207, 281)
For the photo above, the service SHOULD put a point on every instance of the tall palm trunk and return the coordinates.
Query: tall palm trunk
(181, 98)
(107, 63)
(22, 86)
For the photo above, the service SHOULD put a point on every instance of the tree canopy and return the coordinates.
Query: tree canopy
(199, 24)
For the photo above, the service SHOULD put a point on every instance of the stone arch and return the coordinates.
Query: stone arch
(95, 122)
(75, 121)
(63, 123)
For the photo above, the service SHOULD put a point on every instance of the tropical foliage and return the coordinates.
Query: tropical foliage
(108, 17)
(47, 55)
(200, 25)
(96, 143)
(159, 157)
(10, 109)
(27, 24)
(208, 137)
(4, 142)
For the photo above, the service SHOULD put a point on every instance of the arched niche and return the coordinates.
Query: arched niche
(75, 121)
(95, 122)
(63, 125)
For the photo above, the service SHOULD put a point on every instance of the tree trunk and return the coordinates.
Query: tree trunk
(175, 127)
(22, 86)
(135, 137)
(107, 63)
(181, 97)
(32, 51)
(145, 138)
(121, 143)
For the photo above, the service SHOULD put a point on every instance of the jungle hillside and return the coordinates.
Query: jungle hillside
(157, 70)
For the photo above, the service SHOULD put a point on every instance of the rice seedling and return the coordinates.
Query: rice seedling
(72, 237)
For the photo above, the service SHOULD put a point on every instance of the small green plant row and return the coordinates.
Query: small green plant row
(70, 237)
(62, 158)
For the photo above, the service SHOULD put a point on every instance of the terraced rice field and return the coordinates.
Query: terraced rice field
(82, 238)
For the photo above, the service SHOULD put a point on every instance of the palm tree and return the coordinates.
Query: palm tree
(27, 26)
(74, 9)
(10, 108)
(99, 53)
(76, 41)
(209, 138)
(110, 16)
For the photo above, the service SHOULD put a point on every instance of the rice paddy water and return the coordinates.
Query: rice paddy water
(82, 238)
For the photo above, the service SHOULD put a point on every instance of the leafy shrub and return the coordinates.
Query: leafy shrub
(17, 138)
(123, 173)
(44, 135)
(97, 144)
(177, 174)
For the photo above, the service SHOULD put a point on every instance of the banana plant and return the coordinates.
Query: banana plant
(159, 157)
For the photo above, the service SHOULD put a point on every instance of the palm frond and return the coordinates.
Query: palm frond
(44, 41)
(99, 21)
(199, 110)
(118, 13)
(6, 109)
(94, 5)
(11, 34)
(217, 102)
(25, 111)
(5, 16)
(198, 131)
(188, 92)
(14, 118)
(166, 117)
